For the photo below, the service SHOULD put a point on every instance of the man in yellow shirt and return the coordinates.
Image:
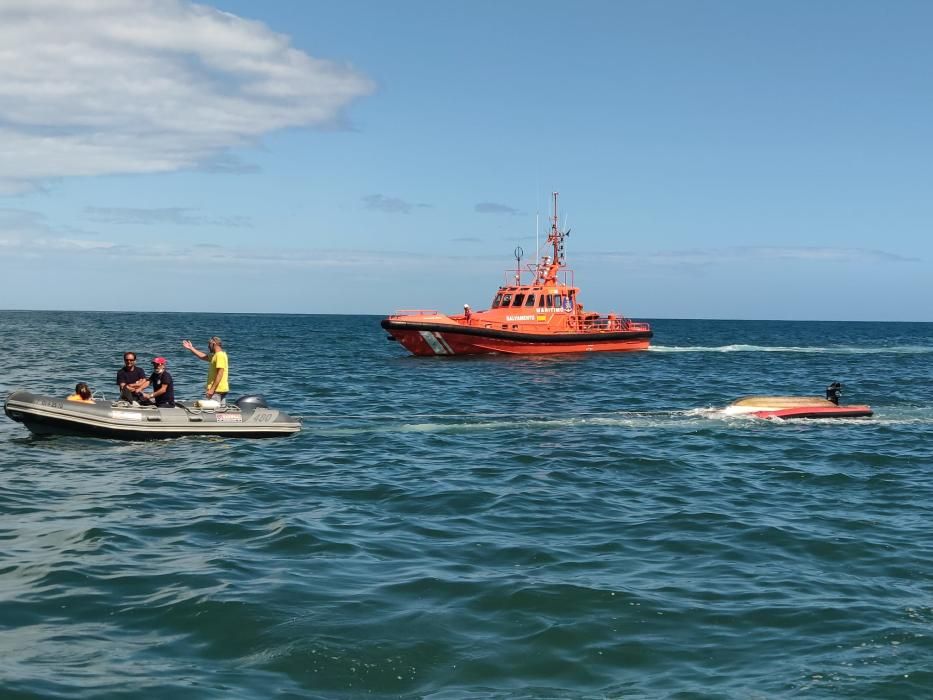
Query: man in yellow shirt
(218, 374)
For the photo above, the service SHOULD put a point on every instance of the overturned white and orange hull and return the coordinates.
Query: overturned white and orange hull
(794, 407)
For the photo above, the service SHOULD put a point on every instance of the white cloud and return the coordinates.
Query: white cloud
(495, 208)
(176, 216)
(138, 86)
(27, 234)
(713, 256)
(390, 205)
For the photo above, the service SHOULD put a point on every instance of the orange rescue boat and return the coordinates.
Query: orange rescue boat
(543, 316)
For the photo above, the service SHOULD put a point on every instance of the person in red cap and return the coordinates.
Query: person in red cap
(163, 386)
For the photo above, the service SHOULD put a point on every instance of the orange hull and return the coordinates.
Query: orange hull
(794, 407)
(450, 339)
(817, 412)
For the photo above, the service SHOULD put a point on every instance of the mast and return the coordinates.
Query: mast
(548, 268)
(555, 231)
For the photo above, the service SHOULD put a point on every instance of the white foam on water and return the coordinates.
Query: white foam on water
(832, 350)
(693, 417)
(481, 422)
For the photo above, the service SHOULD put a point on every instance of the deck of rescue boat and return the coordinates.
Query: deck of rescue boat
(531, 322)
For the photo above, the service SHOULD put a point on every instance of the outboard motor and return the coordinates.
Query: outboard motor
(252, 402)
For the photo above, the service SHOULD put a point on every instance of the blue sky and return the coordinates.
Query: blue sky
(715, 159)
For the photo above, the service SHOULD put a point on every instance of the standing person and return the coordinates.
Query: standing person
(218, 380)
(131, 379)
(163, 386)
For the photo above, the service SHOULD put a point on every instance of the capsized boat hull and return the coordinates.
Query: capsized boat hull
(794, 407)
(46, 415)
(430, 339)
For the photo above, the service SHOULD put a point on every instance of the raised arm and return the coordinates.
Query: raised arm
(187, 345)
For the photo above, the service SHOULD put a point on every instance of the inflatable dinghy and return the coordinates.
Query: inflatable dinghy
(248, 417)
(794, 407)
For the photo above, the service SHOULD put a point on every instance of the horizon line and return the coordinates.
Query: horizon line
(383, 314)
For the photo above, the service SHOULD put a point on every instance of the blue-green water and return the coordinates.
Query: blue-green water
(565, 526)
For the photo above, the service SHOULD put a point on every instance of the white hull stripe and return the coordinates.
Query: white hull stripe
(432, 341)
(443, 342)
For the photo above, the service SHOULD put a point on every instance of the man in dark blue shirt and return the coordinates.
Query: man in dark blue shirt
(131, 379)
(163, 386)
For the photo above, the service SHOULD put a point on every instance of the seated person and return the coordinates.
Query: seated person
(131, 379)
(82, 393)
(163, 386)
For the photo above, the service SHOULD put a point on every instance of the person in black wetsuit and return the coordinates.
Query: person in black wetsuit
(833, 391)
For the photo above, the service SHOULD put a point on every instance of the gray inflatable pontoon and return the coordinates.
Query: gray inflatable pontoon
(248, 417)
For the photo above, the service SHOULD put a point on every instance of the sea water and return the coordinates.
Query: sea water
(545, 527)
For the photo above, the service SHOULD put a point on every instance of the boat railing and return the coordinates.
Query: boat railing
(415, 312)
(612, 323)
(522, 277)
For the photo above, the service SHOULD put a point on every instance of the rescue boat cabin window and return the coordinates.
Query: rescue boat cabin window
(519, 298)
(548, 300)
(496, 301)
(507, 300)
(530, 301)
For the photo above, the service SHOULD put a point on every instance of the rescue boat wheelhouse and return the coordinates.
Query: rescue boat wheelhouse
(544, 315)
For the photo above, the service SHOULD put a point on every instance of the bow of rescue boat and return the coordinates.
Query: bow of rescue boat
(416, 331)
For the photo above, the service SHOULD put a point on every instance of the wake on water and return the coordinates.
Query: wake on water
(830, 350)
(676, 419)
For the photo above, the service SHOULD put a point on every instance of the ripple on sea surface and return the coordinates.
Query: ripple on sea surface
(556, 527)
